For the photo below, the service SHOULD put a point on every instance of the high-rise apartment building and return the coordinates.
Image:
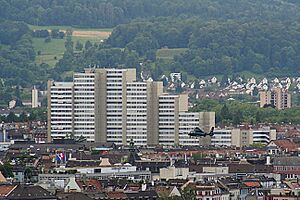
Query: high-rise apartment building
(278, 97)
(60, 109)
(34, 97)
(84, 105)
(109, 105)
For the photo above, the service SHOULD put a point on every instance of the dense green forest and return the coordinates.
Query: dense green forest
(218, 37)
(104, 13)
(17, 56)
(224, 47)
(238, 112)
(213, 47)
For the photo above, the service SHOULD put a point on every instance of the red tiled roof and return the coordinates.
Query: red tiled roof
(286, 145)
(252, 184)
(116, 195)
(90, 185)
(6, 189)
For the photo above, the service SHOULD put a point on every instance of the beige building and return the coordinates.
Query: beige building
(110, 105)
(240, 137)
(277, 97)
(34, 98)
(172, 172)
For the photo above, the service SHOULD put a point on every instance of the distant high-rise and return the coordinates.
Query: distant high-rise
(277, 97)
(109, 105)
(34, 98)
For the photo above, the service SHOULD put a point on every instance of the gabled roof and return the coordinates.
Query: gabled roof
(164, 191)
(74, 196)
(91, 185)
(285, 145)
(28, 192)
(104, 162)
(5, 190)
(149, 194)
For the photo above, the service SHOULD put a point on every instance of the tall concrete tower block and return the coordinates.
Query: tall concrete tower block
(34, 97)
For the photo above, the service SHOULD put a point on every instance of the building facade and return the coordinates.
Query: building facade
(277, 97)
(110, 105)
(34, 97)
(243, 137)
(60, 105)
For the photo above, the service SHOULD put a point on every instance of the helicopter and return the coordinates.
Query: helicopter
(197, 132)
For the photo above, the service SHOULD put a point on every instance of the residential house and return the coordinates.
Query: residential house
(209, 191)
(29, 192)
(167, 191)
(282, 146)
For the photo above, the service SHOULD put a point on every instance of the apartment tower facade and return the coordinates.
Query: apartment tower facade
(110, 105)
(278, 97)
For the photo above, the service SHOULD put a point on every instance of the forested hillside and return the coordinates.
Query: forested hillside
(237, 112)
(261, 36)
(213, 47)
(104, 13)
(17, 57)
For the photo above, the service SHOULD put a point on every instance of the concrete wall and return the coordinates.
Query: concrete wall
(206, 121)
(183, 103)
(100, 105)
(154, 90)
(236, 137)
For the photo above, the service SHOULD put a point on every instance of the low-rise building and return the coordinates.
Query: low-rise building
(276, 147)
(287, 167)
(242, 137)
(173, 172)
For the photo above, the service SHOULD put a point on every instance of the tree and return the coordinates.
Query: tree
(255, 91)
(143, 43)
(258, 117)
(69, 44)
(224, 80)
(11, 117)
(47, 39)
(28, 174)
(225, 114)
(188, 194)
(61, 35)
(23, 117)
(6, 170)
(151, 55)
(237, 118)
(55, 33)
(88, 45)
(78, 46)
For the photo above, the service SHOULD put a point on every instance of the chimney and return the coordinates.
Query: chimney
(268, 161)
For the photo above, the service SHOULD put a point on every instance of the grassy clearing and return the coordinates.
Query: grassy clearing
(84, 39)
(169, 53)
(51, 52)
